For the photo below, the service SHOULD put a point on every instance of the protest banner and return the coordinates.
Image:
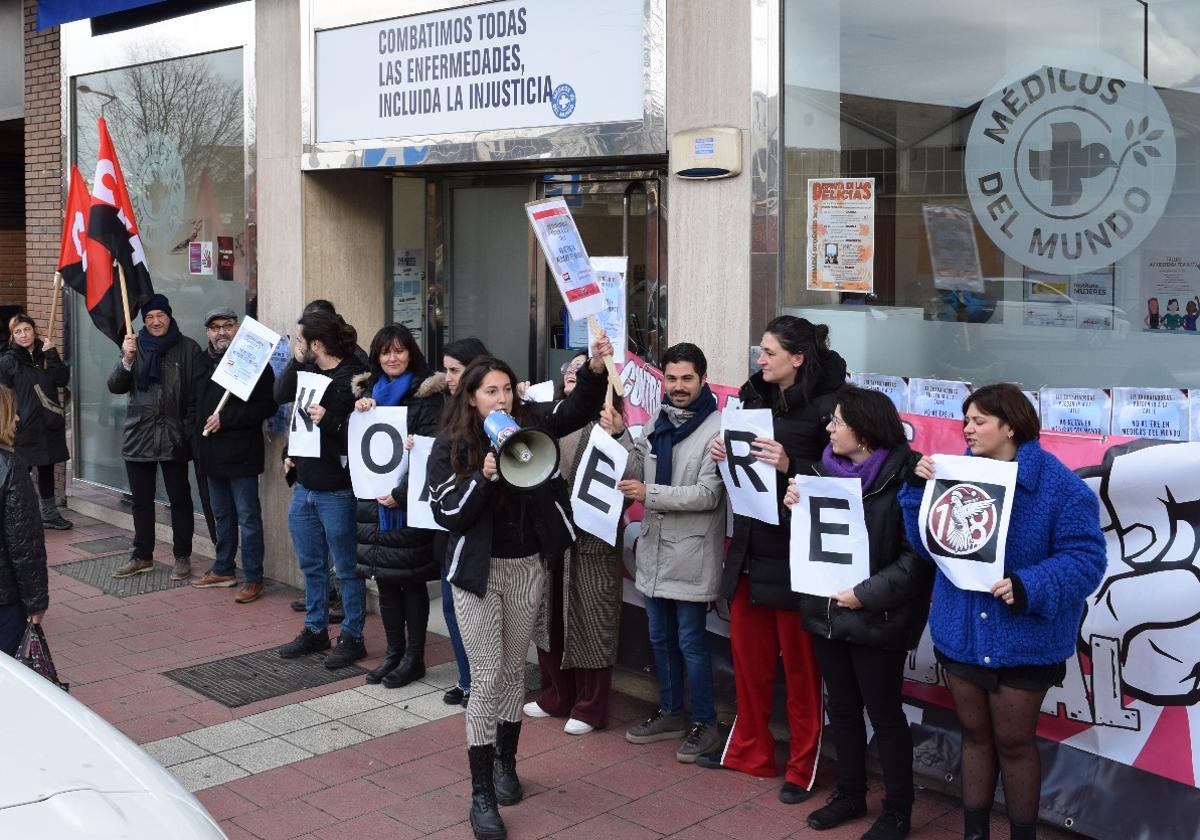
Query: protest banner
(1150, 413)
(937, 397)
(419, 512)
(829, 548)
(964, 518)
(894, 387)
(304, 440)
(568, 259)
(247, 357)
(1077, 410)
(375, 450)
(751, 483)
(595, 500)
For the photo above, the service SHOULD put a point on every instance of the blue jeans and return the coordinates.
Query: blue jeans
(322, 526)
(235, 506)
(680, 645)
(456, 642)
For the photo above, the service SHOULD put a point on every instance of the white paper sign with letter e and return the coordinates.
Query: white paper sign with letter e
(375, 446)
(595, 499)
(829, 549)
(568, 259)
(304, 439)
(750, 482)
(964, 518)
(246, 359)
(419, 511)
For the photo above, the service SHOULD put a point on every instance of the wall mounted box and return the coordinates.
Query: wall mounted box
(706, 153)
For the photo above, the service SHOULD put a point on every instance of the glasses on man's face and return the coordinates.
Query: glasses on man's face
(570, 367)
(224, 327)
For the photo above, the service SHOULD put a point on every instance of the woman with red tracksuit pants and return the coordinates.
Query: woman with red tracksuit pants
(799, 382)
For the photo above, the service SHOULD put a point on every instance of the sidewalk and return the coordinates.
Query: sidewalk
(347, 761)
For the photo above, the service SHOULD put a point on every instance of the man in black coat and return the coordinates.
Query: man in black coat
(229, 454)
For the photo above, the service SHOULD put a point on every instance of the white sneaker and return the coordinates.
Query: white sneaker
(533, 710)
(577, 727)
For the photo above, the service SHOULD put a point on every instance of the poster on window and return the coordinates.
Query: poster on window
(841, 235)
(964, 518)
(1150, 413)
(829, 549)
(1084, 411)
(1194, 424)
(894, 387)
(610, 272)
(1171, 289)
(953, 250)
(937, 397)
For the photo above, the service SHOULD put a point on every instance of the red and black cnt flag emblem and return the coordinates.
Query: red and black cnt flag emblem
(112, 235)
(72, 251)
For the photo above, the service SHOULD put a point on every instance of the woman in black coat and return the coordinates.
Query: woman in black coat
(400, 558)
(862, 635)
(799, 383)
(32, 368)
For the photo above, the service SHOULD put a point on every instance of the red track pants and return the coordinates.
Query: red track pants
(758, 636)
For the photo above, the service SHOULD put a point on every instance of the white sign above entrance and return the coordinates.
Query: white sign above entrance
(1069, 169)
(489, 67)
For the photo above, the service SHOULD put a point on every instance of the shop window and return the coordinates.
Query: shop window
(1025, 199)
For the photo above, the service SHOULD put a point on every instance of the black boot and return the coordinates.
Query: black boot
(393, 629)
(977, 823)
(508, 786)
(416, 615)
(485, 816)
(1022, 832)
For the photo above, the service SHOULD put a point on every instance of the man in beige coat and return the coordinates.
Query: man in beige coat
(680, 549)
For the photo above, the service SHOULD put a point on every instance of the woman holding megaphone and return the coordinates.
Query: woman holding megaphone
(503, 519)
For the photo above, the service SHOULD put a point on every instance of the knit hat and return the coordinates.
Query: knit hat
(157, 301)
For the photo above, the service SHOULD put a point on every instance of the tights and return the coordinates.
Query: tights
(999, 727)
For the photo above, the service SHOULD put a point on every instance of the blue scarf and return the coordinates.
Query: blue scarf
(389, 392)
(153, 348)
(666, 434)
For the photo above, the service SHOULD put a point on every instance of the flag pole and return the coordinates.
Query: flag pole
(124, 298)
(217, 410)
(54, 295)
(613, 379)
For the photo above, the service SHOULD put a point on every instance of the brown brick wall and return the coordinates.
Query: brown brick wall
(43, 167)
(12, 266)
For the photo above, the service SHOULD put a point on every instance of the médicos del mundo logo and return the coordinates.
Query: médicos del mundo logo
(1068, 171)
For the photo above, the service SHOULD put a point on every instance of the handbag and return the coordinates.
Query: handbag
(35, 653)
(53, 414)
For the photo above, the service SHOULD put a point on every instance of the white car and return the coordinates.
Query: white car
(67, 774)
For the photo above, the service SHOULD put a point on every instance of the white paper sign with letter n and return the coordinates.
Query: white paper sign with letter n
(964, 518)
(246, 359)
(750, 482)
(566, 256)
(419, 512)
(829, 549)
(595, 499)
(304, 439)
(375, 446)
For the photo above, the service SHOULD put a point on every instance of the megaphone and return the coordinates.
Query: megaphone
(525, 458)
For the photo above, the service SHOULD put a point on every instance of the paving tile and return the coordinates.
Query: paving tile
(438, 809)
(374, 826)
(226, 736)
(552, 769)
(286, 719)
(341, 765)
(606, 825)
(273, 786)
(326, 737)
(155, 727)
(532, 821)
(206, 772)
(400, 747)
(663, 812)
(632, 779)
(383, 721)
(265, 755)
(223, 804)
(600, 748)
(580, 800)
(416, 777)
(430, 707)
(442, 676)
(342, 704)
(395, 695)
(173, 750)
(285, 821)
(751, 818)
(351, 799)
(718, 789)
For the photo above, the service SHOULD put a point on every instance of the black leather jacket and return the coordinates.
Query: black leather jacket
(159, 420)
(23, 544)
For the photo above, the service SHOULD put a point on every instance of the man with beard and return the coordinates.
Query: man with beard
(228, 447)
(680, 549)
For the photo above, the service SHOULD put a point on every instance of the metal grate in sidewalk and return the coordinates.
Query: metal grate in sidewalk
(104, 545)
(97, 572)
(261, 675)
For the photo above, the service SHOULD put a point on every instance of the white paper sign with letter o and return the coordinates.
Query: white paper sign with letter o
(375, 446)
(750, 482)
(595, 499)
(304, 439)
(829, 548)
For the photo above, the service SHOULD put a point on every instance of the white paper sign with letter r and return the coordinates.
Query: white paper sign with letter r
(595, 499)
(829, 548)
(750, 482)
(375, 446)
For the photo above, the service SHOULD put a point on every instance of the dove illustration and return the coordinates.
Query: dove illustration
(959, 537)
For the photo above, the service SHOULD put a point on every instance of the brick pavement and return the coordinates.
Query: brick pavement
(350, 762)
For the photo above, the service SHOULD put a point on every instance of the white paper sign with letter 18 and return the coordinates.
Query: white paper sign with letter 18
(419, 511)
(829, 549)
(751, 483)
(304, 439)
(595, 499)
(375, 446)
(964, 518)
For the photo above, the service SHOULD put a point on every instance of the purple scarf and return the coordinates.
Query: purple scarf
(841, 467)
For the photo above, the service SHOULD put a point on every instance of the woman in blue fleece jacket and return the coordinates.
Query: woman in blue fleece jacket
(1002, 650)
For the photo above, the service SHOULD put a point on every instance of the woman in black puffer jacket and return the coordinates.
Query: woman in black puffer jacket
(24, 592)
(862, 635)
(400, 558)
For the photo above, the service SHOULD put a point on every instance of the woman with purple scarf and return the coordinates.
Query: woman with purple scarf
(861, 636)
(399, 557)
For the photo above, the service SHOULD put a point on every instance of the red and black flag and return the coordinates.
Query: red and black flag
(72, 251)
(112, 235)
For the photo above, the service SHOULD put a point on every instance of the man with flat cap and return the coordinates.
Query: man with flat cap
(157, 369)
(228, 447)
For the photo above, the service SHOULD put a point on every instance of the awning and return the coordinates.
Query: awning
(54, 12)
